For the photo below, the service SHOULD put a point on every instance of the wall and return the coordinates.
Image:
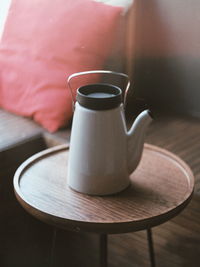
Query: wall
(3, 13)
(166, 61)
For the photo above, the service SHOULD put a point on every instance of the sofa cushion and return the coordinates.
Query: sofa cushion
(20, 138)
(15, 130)
(44, 42)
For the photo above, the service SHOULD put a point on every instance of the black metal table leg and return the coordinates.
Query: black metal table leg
(103, 250)
(53, 244)
(151, 248)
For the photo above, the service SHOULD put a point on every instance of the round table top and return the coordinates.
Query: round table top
(160, 188)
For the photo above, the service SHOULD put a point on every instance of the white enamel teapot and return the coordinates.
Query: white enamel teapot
(102, 152)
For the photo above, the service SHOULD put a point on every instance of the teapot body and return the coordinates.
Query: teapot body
(98, 151)
(102, 152)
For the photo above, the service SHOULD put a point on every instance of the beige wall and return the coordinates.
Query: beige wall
(4, 5)
(168, 27)
(166, 53)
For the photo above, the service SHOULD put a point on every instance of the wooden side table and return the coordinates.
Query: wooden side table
(160, 188)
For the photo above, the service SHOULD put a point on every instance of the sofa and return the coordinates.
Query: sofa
(28, 242)
(24, 240)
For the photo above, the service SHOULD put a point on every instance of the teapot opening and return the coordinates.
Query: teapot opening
(99, 96)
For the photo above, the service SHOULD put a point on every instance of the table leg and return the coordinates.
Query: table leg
(151, 248)
(53, 245)
(103, 250)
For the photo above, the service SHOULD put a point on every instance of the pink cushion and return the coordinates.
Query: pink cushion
(43, 43)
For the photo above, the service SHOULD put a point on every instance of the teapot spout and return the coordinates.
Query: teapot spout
(136, 137)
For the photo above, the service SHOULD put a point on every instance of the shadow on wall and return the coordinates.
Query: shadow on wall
(167, 56)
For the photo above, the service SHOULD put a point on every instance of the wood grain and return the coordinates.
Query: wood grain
(160, 188)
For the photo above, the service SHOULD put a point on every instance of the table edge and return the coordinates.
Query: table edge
(107, 227)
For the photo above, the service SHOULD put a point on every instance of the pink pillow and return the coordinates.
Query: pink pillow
(43, 43)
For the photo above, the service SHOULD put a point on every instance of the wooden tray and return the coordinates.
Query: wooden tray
(160, 188)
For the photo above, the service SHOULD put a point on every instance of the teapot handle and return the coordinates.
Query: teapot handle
(96, 72)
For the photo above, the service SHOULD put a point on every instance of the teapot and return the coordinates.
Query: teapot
(102, 152)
